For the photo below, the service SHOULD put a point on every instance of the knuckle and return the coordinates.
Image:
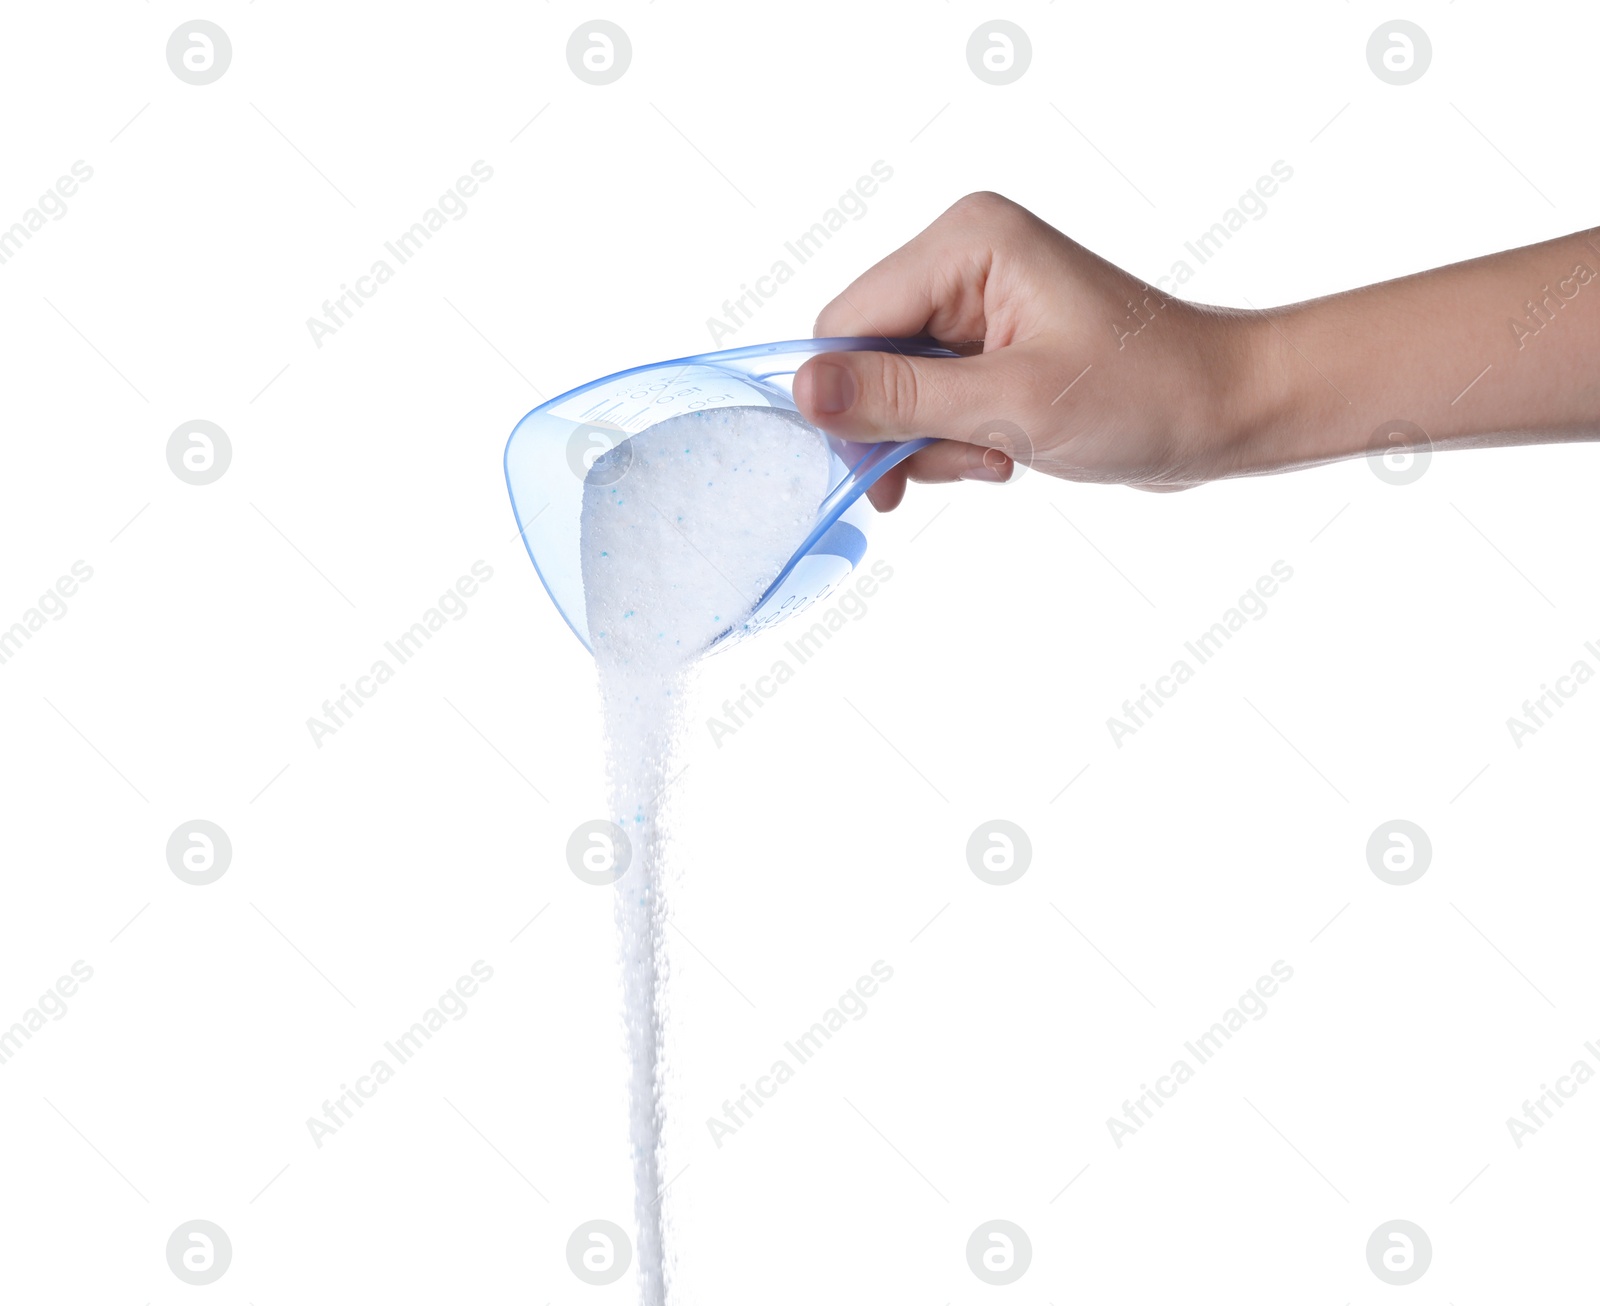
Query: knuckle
(984, 208)
(898, 386)
(978, 201)
(831, 321)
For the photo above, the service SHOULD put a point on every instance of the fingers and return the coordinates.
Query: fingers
(939, 464)
(885, 493)
(935, 283)
(948, 461)
(939, 284)
(872, 396)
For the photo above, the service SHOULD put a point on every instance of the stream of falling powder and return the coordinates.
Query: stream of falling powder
(683, 529)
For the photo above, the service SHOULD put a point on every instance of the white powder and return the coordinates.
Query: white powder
(700, 514)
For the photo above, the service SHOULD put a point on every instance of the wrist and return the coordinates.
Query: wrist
(1260, 396)
(1283, 405)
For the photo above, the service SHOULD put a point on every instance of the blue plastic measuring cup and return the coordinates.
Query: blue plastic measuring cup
(552, 449)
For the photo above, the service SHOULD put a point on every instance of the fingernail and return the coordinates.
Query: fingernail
(833, 388)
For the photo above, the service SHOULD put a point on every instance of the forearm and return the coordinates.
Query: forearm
(1090, 374)
(1499, 350)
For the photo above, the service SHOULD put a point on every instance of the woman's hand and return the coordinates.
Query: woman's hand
(1085, 372)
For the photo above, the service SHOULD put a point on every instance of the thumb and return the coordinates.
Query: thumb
(871, 396)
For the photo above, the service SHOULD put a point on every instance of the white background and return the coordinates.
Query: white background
(369, 874)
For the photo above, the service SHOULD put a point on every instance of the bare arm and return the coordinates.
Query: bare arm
(1499, 350)
(1086, 372)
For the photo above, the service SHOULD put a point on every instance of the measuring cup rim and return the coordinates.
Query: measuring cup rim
(881, 456)
(921, 346)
